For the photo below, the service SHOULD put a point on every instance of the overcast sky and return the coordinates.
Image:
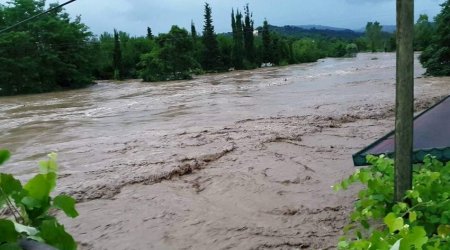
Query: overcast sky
(133, 16)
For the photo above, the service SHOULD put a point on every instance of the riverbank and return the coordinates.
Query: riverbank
(242, 160)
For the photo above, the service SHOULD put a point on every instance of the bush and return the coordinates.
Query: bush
(420, 221)
(25, 211)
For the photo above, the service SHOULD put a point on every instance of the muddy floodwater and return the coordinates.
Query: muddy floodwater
(241, 160)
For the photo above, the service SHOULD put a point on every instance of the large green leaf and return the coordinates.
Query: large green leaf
(40, 186)
(8, 232)
(9, 184)
(416, 238)
(4, 155)
(393, 222)
(54, 234)
(66, 204)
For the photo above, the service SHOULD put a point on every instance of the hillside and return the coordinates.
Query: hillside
(312, 31)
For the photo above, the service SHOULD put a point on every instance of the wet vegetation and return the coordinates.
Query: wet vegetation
(56, 52)
(419, 221)
(26, 210)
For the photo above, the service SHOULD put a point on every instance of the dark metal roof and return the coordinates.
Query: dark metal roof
(431, 136)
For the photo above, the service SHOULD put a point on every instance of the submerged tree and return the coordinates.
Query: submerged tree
(211, 53)
(436, 57)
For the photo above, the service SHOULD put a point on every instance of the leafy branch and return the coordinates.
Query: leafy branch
(420, 221)
(29, 207)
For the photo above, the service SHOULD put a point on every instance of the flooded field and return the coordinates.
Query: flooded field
(239, 160)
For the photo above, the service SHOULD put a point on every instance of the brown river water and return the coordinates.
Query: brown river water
(241, 160)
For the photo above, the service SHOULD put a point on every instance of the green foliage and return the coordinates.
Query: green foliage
(306, 50)
(373, 35)
(50, 53)
(238, 41)
(423, 33)
(117, 57)
(249, 43)
(267, 55)
(171, 59)
(212, 60)
(30, 206)
(436, 57)
(420, 221)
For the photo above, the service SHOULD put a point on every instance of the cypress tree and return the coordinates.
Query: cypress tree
(149, 33)
(248, 36)
(117, 57)
(193, 31)
(233, 23)
(238, 43)
(267, 41)
(211, 54)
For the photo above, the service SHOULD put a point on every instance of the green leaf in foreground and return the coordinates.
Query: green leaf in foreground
(9, 184)
(40, 186)
(417, 237)
(8, 232)
(4, 156)
(66, 204)
(393, 222)
(54, 234)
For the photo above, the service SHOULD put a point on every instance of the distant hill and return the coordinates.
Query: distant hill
(314, 31)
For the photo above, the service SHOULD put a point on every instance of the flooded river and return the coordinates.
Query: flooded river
(81, 124)
(241, 160)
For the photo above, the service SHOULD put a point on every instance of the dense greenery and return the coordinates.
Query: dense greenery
(171, 57)
(420, 221)
(25, 210)
(436, 56)
(50, 53)
(54, 52)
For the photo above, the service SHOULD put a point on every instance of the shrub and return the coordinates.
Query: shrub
(420, 221)
(25, 210)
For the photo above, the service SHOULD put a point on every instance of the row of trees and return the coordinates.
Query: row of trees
(178, 54)
(56, 52)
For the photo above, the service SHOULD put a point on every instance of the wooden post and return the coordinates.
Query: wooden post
(404, 98)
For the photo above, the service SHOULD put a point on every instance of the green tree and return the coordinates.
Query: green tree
(193, 31)
(374, 36)
(436, 57)
(51, 53)
(211, 54)
(172, 59)
(267, 43)
(306, 50)
(249, 43)
(149, 33)
(238, 41)
(423, 33)
(117, 58)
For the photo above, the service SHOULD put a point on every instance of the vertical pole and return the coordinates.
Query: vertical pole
(404, 98)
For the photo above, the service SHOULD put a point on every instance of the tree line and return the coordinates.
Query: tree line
(56, 52)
